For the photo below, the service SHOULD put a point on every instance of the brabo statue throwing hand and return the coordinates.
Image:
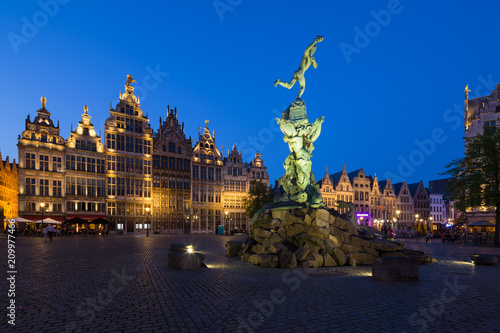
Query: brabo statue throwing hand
(298, 186)
(305, 63)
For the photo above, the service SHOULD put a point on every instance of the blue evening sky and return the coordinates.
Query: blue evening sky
(390, 76)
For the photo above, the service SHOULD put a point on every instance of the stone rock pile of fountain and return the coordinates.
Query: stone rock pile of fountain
(313, 237)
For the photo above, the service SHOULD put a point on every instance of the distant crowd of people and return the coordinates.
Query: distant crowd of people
(50, 231)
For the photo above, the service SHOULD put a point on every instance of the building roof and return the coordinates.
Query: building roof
(397, 187)
(335, 177)
(439, 186)
(413, 188)
(382, 183)
(353, 174)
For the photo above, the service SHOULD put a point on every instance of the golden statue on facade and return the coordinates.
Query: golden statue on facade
(130, 80)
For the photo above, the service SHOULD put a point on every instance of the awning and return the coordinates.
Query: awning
(481, 223)
(19, 219)
(480, 217)
(100, 221)
(76, 220)
(48, 221)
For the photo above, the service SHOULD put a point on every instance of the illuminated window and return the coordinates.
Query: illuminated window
(30, 161)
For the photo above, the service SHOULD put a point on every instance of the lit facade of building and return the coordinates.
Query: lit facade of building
(481, 112)
(172, 154)
(421, 202)
(237, 177)
(404, 204)
(133, 178)
(129, 157)
(353, 187)
(376, 207)
(361, 187)
(376, 202)
(9, 189)
(207, 184)
(440, 186)
(85, 173)
(41, 168)
(336, 187)
(384, 203)
(437, 208)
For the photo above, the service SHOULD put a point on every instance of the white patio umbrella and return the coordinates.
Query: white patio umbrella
(19, 219)
(48, 221)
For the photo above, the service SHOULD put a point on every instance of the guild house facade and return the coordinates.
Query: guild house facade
(139, 180)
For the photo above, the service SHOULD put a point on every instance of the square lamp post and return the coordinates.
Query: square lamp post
(147, 221)
(42, 205)
(414, 225)
(226, 225)
(397, 217)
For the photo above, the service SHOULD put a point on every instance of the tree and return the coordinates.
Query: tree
(258, 196)
(477, 175)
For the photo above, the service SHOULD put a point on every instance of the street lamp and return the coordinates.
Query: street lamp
(430, 224)
(226, 212)
(397, 216)
(414, 225)
(42, 205)
(147, 221)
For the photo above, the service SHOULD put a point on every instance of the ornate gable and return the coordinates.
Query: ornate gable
(170, 131)
(205, 147)
(375, 186)
(42, 129)
(85, 129)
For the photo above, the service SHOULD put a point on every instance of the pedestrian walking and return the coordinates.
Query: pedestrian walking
(51, 230)
(45, 233)
(390, 234)
(428, 238)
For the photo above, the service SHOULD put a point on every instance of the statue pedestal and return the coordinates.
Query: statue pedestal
(285, 236)
(296, 112)
(298, 183)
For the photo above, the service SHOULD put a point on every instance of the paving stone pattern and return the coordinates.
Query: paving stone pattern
(64, 286)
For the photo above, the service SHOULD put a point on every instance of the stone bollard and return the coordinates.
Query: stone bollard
(396, 269)
(179, 248)
(180, 257)
(485, 259)
(233, 248)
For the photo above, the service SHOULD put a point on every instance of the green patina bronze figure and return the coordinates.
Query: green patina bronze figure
(305, 63)
(298, 183)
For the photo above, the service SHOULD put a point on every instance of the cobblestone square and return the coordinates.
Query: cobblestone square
(124, 284)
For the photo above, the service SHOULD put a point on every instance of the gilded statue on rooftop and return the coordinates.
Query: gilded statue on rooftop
(130, 80)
